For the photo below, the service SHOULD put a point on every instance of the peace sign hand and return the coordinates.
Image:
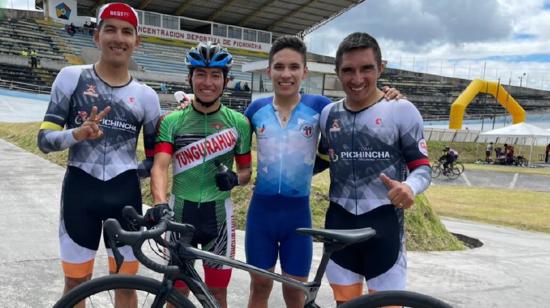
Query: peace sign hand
(90, 128)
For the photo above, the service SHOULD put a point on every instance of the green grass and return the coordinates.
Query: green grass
(424, 229)
(526, 210)
(507, 169)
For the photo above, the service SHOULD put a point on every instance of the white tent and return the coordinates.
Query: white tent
(519, 130)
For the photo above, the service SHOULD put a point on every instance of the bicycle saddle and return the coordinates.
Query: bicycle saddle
(347, 237)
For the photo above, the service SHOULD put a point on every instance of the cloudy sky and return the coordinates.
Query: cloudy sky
(490, 39)
(506, 39)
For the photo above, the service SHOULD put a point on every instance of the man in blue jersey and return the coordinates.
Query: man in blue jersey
(378, 163)
(287, 132)
(103, 110)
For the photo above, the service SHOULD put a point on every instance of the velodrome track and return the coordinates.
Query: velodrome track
(501, 180)
(511, 269)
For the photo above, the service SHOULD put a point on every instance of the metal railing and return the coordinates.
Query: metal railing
(23, 86)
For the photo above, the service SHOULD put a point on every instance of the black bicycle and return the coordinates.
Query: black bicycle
(452, 172)
(99, 292)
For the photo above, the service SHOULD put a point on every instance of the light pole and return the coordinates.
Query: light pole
(521, 80)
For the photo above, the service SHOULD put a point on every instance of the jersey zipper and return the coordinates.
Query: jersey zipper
(353, 162)
(282, 149)
(203, 160)
(105, 135)
(281, 162)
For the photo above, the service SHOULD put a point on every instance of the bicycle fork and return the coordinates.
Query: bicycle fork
(167, 287)
(197, 286)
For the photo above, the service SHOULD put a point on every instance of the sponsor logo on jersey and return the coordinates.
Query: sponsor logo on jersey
(423, 147)
(204, 149)
(378, 121)
(217, 125)
(81, 117)
(119, 125)
(332, 155)
(90, 91)
(365, 155)
(131, 100)
(307, 130)
(335, 127)
(260, 131)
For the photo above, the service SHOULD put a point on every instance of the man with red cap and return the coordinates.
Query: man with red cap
(97, 111)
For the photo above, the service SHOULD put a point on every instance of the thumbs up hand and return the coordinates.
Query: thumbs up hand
(400, 194)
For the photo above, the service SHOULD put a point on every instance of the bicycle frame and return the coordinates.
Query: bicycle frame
(197, 286)
(183, 255)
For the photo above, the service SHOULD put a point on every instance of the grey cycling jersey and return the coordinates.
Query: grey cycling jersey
(133, 106)
(386, 137)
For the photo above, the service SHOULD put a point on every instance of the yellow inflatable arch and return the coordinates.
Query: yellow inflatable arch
(481, 86)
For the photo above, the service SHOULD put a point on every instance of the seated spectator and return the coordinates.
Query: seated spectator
(71, 30)
(246, 87)
(87, 28)
(163, 88)
(488, 151)
(237, 86)
(510, 155)
(500, 157)
(231, 82)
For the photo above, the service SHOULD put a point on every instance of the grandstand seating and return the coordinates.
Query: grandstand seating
(432, 94)
(19, 35)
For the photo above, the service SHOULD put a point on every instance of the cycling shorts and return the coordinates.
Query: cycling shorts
(86, 202)
(271, 231)
(380, 260)
(214, 232)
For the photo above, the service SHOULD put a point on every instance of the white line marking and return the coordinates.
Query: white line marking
(466, 179)
(514, 180)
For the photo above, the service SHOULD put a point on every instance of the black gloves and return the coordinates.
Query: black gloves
(225, 179)
(144, 168)
(153, 215)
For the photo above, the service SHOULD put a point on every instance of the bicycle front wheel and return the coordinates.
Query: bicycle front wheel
(396, 298)
(459, 166)
(100, 292)
(436, 169)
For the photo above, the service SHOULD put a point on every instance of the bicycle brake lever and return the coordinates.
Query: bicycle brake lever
(119, 258)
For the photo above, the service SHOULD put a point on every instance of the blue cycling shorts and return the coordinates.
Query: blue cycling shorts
(271, 232)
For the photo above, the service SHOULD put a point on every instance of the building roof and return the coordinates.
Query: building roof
(295, 17)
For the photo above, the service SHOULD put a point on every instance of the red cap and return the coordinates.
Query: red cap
(119, 11)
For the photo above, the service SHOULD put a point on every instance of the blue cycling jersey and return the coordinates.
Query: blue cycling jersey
(286, 154)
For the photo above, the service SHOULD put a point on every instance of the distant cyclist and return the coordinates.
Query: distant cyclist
(103, 109)
(448, 158)
(378, 161)
(201, 142)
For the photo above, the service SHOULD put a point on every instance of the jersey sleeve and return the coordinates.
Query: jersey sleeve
(411, 134)
(164, 140)
(242, 148)
(150, 121)
(59, 106)
(51, 136)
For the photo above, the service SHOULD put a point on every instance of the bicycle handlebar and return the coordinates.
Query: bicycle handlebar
(135, 239)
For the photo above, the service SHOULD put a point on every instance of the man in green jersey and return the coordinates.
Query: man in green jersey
(201, 142)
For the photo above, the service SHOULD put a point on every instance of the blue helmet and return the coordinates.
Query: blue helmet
(209, 55)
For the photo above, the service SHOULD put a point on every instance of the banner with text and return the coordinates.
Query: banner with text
(199, 37)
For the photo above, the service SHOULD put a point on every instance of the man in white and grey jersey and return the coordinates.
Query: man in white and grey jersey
(378, 162)
(103, 173)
